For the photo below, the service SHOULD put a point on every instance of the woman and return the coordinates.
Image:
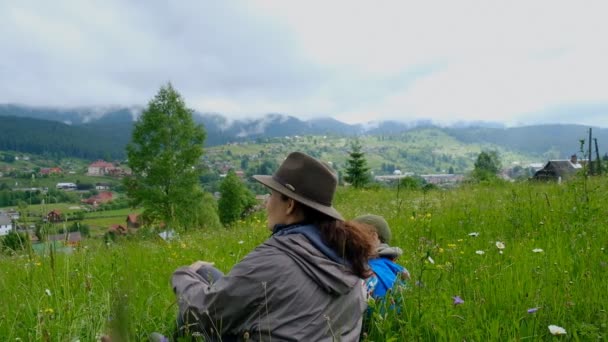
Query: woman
(303, 284)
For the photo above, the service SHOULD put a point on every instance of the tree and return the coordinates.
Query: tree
(165, 149)
(357, 171)
(487, 166)
(235, 200)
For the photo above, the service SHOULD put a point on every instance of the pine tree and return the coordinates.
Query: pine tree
(357, 172)
(164, 152)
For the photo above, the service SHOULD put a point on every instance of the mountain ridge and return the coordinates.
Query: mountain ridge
(70, 131)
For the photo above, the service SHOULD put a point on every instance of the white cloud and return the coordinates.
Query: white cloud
(514, 62)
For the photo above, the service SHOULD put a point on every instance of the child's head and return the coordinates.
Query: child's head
(379, 224)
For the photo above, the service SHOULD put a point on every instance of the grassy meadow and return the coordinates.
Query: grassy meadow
(465, 286)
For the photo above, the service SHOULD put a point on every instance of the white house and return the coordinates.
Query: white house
(66, 186)
(6, 225)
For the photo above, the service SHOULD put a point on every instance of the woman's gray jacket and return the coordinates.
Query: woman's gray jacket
(284, 290)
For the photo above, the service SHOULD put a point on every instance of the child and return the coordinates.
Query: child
(386, 273)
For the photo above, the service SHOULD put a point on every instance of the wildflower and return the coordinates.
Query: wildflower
(532, 310)
(474, 234)
(500, 245)
(241, 242)
(457, 300)
(49, 311)
(460, 240)
(441, 250)
(555, 330)
(48, 292)
(431, 260)
(480, 252)
(452, 245)
(537, 250)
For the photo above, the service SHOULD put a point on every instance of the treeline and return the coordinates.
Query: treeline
(59, 140)
(9, 198)
(554, 139)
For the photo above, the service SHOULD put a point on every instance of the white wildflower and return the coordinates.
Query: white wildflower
(48, 292)
(500, 245)
(431, 260)
(474, 234)
(480, 252)
(537, 250)
(555, 330)
(241, 242)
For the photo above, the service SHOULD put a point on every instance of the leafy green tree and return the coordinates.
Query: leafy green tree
(235, 200)
(165, 148)
(357, 171)
(487, 166)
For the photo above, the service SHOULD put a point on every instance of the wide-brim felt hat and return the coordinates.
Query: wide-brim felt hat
(307, 181)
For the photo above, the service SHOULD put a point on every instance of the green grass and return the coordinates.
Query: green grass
(125, 286)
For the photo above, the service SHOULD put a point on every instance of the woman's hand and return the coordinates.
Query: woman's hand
(198, 264)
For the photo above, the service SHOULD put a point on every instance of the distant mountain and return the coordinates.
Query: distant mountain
(98, 132)
(70, 116)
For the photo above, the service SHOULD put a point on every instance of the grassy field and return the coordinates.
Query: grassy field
(551, 271)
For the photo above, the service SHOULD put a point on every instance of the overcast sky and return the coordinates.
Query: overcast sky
(515, 62)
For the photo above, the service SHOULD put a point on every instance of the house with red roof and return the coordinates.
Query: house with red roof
(54, 216)
(100, 168)
(118, 229)
(133, 221)
(47, 171)
(101, 198)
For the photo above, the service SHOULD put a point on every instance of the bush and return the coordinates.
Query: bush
(14, 242)
(84, 229)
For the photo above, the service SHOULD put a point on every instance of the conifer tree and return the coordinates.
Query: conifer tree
(357, 171)
(164, 153)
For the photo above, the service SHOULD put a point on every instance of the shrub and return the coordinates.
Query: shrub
(14, 242)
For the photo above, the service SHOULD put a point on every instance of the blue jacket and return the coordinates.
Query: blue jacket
(386, 274)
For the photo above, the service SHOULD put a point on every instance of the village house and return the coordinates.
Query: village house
(133, 221)
(118, 229)
(47, 171)
(559, 169)
(102, 186)
(6, 224)
(101, 198)
(100, 168)
(66, 186)
(393, 177)
(439, 179)
(54, 216)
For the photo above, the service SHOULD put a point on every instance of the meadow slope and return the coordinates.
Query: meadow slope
(552, 270)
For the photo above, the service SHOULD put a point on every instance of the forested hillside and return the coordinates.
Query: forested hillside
(91, 134)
